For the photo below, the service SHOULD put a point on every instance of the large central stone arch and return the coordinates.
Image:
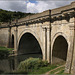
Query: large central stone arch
(33, 34)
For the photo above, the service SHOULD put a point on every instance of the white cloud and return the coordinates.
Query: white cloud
(4, 5)
(26, 6)
(31, 7)
(45, 5)
(13, 5)
(18, 6)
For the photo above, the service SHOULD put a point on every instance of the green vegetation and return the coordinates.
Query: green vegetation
(37, 66)
(16, 72)
(4, 52)
(43, 70)
(61, 72)
(59, 69)
(6, 16)
(34, 66)
(32, 63)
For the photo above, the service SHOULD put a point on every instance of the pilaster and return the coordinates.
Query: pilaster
(9, 39)
(45, 43)
(73, 54)
(70, 50)
(15, 40)
(48, 46)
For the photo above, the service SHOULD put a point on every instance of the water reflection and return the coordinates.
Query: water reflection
(15, 60)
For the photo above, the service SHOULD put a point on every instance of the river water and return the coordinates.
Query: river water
(15, 60)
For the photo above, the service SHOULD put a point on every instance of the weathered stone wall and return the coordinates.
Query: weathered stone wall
(4, 37)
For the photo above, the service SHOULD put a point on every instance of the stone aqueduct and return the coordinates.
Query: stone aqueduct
(52, 32)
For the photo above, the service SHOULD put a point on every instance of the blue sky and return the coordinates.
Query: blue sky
(32, 1)
(32, 6)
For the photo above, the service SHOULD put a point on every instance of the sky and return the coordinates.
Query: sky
(32, 6)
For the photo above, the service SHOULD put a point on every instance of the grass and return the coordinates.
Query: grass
(43, 70)
(15, 72)
(4, 48)
(5, 52)
(61, 72)
(59, 69)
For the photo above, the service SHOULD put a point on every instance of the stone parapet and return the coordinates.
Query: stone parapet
(48, 15)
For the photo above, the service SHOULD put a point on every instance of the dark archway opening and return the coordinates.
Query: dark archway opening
(12, 42)
(11, 58)
(60, 48)
(28, 47)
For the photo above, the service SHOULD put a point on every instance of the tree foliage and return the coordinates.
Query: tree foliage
(4, 52)
(32, 63)
(6, 16)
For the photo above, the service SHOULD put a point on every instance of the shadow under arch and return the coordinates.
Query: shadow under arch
(59, 49)
(29, 47)
(12, 41)
(34, 34)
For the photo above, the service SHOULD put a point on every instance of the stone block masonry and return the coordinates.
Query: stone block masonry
(51, 34)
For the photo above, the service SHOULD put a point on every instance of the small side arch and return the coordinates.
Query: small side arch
(62, 41)
(56, 35)
(12, 41)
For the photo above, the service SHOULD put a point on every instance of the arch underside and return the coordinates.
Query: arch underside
(59, 51)
(29, 47)
(12, 41)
